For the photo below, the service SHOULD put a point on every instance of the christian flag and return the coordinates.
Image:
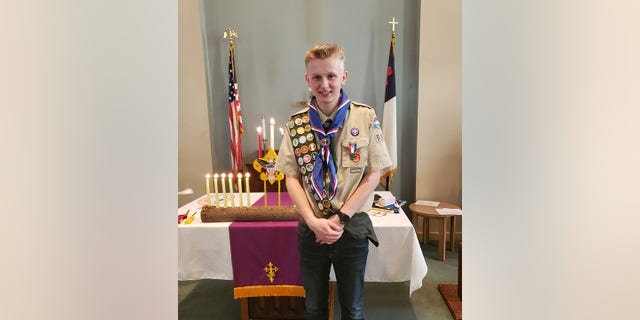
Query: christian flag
(235, 115)
(389, 117)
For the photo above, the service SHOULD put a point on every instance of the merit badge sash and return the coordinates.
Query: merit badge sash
(305, 146)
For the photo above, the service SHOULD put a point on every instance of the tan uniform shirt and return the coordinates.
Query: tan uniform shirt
(360, 126)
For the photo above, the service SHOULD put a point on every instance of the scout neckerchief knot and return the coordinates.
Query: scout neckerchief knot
(324, 155)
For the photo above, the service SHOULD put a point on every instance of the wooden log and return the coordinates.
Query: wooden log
(258, 213)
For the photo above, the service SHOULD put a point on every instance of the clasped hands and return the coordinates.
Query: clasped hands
(328, 230)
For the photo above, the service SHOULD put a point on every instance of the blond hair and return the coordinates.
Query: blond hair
(324, 51)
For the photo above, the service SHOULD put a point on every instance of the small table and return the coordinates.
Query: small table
(429, 212)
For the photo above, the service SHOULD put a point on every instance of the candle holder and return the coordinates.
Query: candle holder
(242, 211)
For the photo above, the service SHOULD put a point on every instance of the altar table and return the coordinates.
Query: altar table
(204, 249)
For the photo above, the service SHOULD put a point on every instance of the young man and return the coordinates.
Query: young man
(332, 158)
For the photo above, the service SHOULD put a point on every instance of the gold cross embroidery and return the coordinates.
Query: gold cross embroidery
(271, 270)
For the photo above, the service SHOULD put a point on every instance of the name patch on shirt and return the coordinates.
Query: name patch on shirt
(355, 170)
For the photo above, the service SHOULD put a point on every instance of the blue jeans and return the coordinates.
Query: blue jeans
(349, 258)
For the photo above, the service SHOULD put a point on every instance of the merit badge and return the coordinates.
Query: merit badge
(307, 128)
(290, 124)
(305, 119)
(300, 130)
(302, 139)
(298, 152)
(376, 123)
(304, 149)
(300, 161)
(326, 203)
(309, 136)
(298, 121)
(306, 158)
(303, 170)
(295, 142)
(355, 132)
(309, 167)
(312, 147)
(293, 132)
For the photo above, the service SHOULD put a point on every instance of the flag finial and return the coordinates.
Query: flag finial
(228, 32)
(393, 23)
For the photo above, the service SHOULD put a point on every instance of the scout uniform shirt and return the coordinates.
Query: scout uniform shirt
(361, 129)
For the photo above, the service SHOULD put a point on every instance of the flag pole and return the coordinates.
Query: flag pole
(393, 23)
(389, 124)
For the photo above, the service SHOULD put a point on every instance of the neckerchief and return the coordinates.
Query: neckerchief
(325, 155)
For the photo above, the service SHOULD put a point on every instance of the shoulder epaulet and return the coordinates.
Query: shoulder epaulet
(306, 109)
(360, 104)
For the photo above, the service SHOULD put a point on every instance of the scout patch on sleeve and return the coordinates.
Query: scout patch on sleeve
(376, 123)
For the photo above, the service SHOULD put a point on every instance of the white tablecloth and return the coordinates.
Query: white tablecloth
(203, 249)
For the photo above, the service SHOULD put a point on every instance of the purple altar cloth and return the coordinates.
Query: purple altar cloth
(256, 244)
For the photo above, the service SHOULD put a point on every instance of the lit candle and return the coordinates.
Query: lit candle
(241, 202)
(206, 179)
(264, 133)
(273, 122)
(215, 188)
(233, 197)
(259, 142)
(224, 190)
(246, 185)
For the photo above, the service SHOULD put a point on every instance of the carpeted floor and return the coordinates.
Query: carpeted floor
(213, 299)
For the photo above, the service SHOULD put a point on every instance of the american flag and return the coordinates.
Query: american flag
(235, 116)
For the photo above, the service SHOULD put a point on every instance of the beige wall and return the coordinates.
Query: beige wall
(194, 146)
(439, 144)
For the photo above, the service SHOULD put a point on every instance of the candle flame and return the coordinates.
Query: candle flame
(259, 129)
(246, 175)
(207, 176)
(223, 175)
(215, 176)
(272, 121)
